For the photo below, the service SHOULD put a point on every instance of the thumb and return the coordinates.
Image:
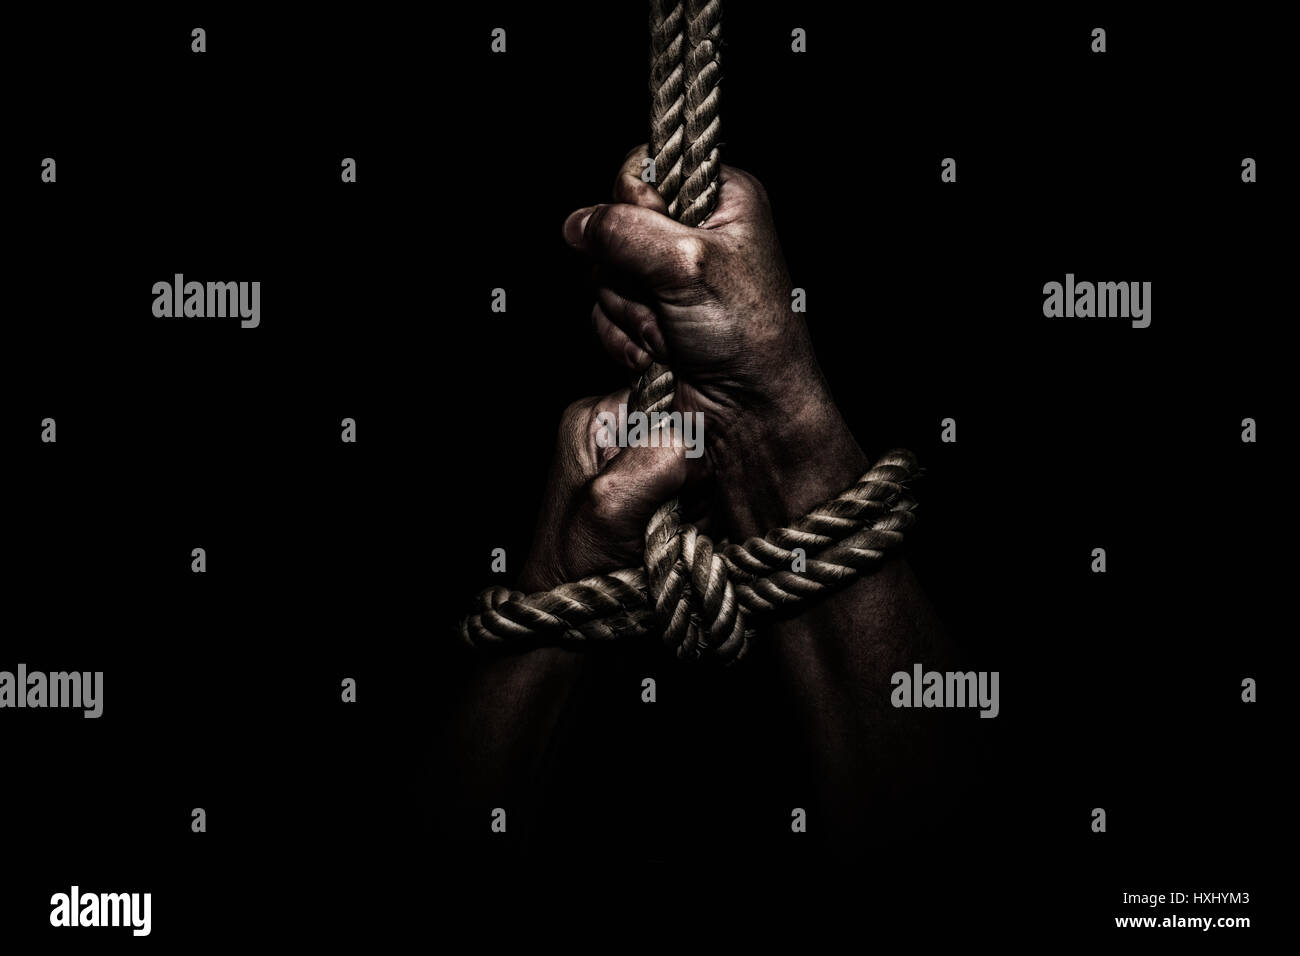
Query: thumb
(631, 187)
(640, 241)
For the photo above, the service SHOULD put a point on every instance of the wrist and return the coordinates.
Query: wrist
(782, 460)
(541, 571)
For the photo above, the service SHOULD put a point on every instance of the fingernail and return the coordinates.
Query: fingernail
(576, 225)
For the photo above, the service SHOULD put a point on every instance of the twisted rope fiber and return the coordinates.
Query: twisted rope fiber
(701, 597)
(685, 101)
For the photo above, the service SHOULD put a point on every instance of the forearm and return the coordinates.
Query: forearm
(506, 717)
(838, 655)
(782, 461)
(836, 659)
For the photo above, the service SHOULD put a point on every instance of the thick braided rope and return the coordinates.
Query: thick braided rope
(849, 535)
(844, 538)
(685, 100)
(667, 94)
(700, 597)
(688, 583)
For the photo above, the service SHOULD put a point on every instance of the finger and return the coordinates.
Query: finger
(639, 479)
(641, 242)
(743, 181)
(576, 452)
(636, 319)
(617, 344)
(630, 185)
(601, 437)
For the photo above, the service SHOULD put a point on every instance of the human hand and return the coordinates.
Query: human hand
(714, 302)
(599, 499)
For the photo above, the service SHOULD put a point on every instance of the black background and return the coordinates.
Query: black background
(329, 821)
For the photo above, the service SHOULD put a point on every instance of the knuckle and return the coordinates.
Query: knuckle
(644, 194)
(603, 497)
(750, 184)
(607, 228)
(598, 226)
(693, 255)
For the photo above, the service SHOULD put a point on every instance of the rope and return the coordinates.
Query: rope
(684, 105)
(682, 585)
(701, 597)
(684, 123)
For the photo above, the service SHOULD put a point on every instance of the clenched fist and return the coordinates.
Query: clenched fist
(599, 497)
(714, 303)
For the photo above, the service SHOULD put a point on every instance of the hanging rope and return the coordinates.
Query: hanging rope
(700, 597)
(684, 105)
